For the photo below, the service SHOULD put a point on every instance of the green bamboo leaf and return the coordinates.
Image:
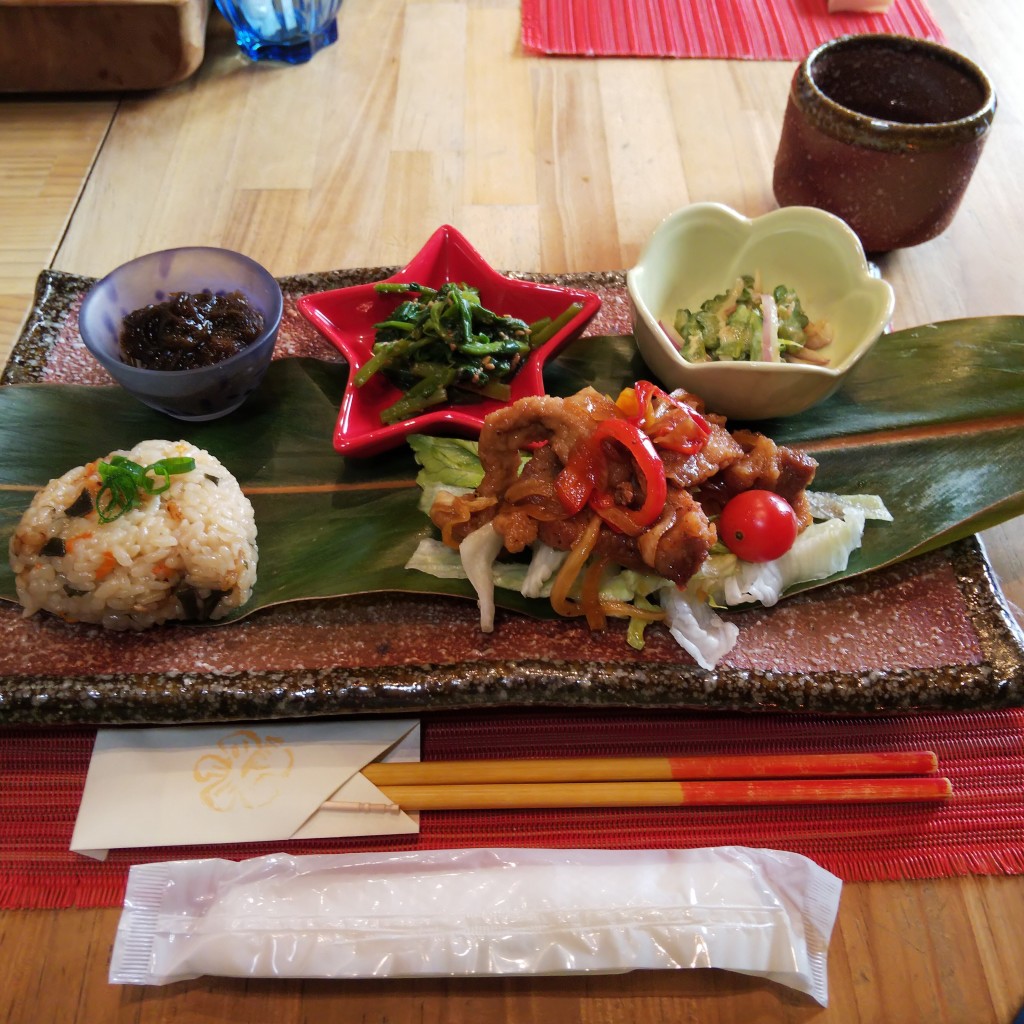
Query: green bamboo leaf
(938, 374)
(939, 489)
(932, 420)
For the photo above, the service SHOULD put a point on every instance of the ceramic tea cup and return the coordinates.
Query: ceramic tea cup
(883, 131)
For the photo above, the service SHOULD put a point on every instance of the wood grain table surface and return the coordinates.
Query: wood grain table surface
(428, 112)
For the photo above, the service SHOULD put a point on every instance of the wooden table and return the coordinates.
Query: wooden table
(425, 113)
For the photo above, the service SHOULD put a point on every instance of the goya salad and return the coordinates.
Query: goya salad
(751, 322)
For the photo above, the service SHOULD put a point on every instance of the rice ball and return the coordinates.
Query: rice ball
(188, 553)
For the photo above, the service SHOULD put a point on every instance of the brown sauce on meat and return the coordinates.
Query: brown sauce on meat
(189, 330)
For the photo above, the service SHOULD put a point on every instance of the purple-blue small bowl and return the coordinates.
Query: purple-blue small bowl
(204, 393)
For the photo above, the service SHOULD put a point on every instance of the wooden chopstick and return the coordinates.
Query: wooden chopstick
(731, 793)
(726, 780)
(651, 769)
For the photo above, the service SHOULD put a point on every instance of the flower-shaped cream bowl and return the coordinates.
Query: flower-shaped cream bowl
(699, 252)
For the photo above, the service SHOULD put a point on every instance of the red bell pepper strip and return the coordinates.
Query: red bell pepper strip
(578, 478)
(650, 469)
(674, 425)
(582, 481)
(669, 423)
(651, 418)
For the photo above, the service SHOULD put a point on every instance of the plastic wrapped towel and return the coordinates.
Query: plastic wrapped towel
(447, 913)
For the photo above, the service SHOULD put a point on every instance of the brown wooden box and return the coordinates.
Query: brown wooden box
(99, 45)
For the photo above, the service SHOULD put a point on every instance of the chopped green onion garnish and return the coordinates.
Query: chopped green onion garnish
(125, 481)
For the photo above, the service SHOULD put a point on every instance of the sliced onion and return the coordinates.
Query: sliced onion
(454, 510)
(570, 569)
(590, 594)
(523, 495)
(530, 487)
(672, 335)
(769, 329)
(648, 541)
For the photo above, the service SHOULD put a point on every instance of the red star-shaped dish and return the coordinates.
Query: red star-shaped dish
(346, 317)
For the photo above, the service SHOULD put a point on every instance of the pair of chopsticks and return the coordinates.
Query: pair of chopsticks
(742, 780)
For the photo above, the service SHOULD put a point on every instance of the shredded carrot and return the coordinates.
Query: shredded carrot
(163, 571)
(70, 543)
(108, 563)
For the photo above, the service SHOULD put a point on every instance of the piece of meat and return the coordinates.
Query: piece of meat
(764, 465)
(769, 466)
(563, 423)
(674, 547)
(720, 450)
(517, 520)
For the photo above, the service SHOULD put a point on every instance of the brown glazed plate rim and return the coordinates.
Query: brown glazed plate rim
(415, 654)
(849, 125)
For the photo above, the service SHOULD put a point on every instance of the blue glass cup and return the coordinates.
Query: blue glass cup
(282, 30)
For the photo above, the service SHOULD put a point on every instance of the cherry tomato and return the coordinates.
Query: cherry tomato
(758, 526)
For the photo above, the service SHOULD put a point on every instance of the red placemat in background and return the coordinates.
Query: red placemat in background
(745, 29)
(979, 831)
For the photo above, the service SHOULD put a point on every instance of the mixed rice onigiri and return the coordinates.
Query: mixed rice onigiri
(188, 553)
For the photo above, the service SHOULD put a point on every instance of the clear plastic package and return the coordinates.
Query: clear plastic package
(447, 913)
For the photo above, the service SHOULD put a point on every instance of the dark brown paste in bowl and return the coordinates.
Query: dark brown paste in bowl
(189, 330)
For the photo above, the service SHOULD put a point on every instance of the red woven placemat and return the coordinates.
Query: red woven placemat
(766, 30)
(979, 831)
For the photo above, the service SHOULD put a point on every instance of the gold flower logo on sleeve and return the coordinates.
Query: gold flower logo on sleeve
(244, 772)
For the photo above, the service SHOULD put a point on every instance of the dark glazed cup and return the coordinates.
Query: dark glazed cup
(883, 131)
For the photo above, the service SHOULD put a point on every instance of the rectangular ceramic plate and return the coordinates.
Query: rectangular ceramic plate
(931, 633)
